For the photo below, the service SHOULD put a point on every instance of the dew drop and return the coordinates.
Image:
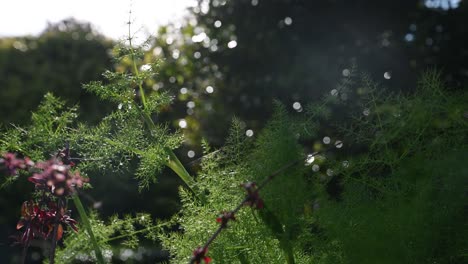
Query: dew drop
(217, 24)
(249, 133)
(334, 92)
(191, 104)
(119, 106)
(387, 75)
(145, 67)
(315, 167)
(191, 154)
(310, 159)
(182, 123)
(338, 144)
(288, 21)
(209, 89)
(183, 90)
(297, 106)
(330, 172)
(346, 72)
(232, 44)
(366, 112)
(326, 140)
(345, 164)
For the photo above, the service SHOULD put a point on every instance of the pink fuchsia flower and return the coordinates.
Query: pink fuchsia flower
(10, 164)
(224, 218)
(200, 254)
(253, 198)
(57, 178)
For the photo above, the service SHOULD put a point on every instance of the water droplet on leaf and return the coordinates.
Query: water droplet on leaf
(339, 144)
(366, 112)
(315, 168)
(387, 75)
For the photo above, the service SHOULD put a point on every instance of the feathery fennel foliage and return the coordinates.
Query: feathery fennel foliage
(128, 231)
(127, 135)
(392, 192)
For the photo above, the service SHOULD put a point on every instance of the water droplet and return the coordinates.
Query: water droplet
(334, 92)
(119, 106)
(145, 67)
(346, 72)
(310, 159)
(218, 24)
(182, 123)
(254, 2)
(232, 44)
(387, 75)
(129, 106)
(409, 37)
(249, 133)
(288, 21)
(330, 172)
(175, 54)
(209, 89)
(326, 140)
(199, 38)
(191, 153)
(190, 104)
(338, 144)
(196, 54)
(183, 90)
(366, 112)
(345, 164)
(297, 106)
(315, 167)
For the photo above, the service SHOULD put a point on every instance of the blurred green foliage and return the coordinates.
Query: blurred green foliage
(232, 58)
(60, 60)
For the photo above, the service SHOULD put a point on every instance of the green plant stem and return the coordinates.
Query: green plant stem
(173, 162)
(87, 225)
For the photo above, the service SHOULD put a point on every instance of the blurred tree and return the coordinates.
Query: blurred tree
(60, 60)
(233, 57)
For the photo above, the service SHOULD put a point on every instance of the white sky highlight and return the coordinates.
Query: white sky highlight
(109, 17)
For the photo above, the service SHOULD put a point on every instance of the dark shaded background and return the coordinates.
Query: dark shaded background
(292, 50)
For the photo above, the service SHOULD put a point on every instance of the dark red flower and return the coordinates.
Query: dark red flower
(224, 218)
(56, 177)
(10, 164)
(200, 254)
(39, 222)
(253, 198)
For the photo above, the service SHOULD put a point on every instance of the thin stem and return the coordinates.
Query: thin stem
(137, 74)
(132, 233)
(173, 162)
(242, 203)
(87, 225)
(25, 252)
(53, 243)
